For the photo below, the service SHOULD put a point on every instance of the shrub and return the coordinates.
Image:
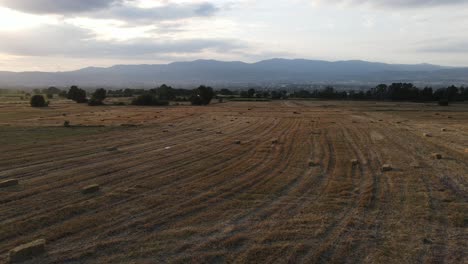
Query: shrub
(100, 94)
(76, 94)
(94, 102)
(443, 102)
(149, 100)
(38, 101)
(202, 95)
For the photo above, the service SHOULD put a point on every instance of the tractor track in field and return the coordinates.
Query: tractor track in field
(174, 190)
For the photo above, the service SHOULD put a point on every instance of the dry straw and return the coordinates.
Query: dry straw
(27, 251)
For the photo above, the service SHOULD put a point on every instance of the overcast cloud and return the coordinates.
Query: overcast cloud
(400, 3)
(59, 6)
(80, 33)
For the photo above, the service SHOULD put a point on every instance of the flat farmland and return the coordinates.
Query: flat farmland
(236, 182)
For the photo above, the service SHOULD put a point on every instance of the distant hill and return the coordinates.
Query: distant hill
(274, 71)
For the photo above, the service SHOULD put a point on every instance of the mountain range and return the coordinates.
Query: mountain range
(236, 73)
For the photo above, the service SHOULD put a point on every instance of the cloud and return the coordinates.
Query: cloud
(170, 11)
(113, 9)
(70, 41)
(399, 3)
(58, 6)
(443, 46)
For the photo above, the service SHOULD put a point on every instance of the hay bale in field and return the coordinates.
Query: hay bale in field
(238, 142)
(436, 156)
(387, 167)
(27, 251)
(443, 129)
(165, 131)
(66, 123)
(274, 141)
(8, 183)
(90, 189)
(296, 113)
(354, 162)
(427, 134)
(199, 129)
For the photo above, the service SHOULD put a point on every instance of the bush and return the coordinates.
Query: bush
(149, 100)
(100, 94)
(76, 94)
(98, 97)
(94, 102)
(443, 102)
(38, 101)
(202, 95)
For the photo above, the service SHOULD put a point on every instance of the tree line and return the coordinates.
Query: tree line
(159, 96)
(203, 95)
(393, 92)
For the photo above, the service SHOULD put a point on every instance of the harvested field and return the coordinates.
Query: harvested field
(191, 194)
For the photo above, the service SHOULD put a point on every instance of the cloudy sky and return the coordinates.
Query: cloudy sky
(59, 35)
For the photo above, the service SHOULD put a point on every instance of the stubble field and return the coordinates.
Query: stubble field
(176, 187)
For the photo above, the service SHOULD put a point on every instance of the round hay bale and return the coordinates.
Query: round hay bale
(387, 167)
(443, 129)
(436, 156)
(90, 189)
(427, 134)
(27, 251)
(8, 183)
(237, 142)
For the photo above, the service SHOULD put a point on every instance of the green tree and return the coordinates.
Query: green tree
(202, 95)
(76, 94)
(251, 92)
(149, 100)
(100, 94)
(38, 101)
(165, 92)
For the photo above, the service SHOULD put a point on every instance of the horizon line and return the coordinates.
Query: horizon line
(232, 61)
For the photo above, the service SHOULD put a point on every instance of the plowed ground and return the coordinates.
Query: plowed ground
(176, 188)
